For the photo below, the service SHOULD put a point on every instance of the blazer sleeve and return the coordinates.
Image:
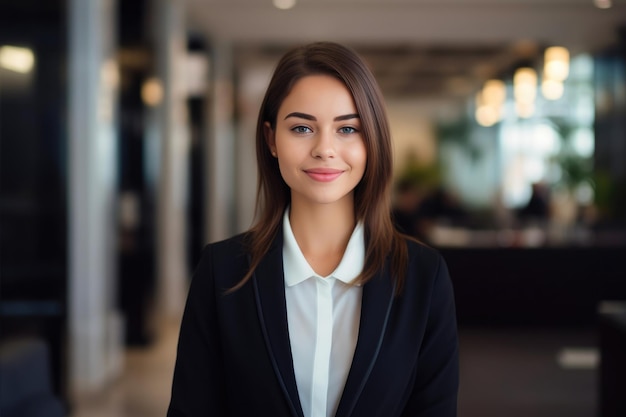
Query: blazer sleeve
(437, 375)
(197, 388)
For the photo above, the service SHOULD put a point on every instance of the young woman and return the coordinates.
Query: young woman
(322, 308)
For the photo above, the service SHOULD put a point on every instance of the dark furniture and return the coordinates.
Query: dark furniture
(612, 376)
(549, 286)
(26, 381)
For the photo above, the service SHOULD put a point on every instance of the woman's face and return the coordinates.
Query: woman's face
(318, 142)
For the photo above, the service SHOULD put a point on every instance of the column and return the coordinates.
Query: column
(95, 337)
(172, 132)
(220, 157)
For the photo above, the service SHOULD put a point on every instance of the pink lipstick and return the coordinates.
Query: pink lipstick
(323, 174)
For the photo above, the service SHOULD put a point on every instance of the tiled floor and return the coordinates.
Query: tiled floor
(504, 373)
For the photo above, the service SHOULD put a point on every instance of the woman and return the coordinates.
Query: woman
(322, 308)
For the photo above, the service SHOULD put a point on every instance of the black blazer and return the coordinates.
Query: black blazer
(234, 355)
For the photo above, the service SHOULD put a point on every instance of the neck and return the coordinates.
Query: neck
(322, 228)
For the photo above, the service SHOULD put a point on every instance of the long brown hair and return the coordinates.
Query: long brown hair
(372, 201)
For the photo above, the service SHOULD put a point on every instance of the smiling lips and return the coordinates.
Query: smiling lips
(323, 174)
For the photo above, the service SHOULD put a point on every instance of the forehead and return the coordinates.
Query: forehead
(318, 92)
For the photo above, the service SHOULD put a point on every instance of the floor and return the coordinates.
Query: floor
(528, 373)
(144, 388)
(504, 373)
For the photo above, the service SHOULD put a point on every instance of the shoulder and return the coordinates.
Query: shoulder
(233, 246)
(226, 261)
(426, 268)
(422, 254)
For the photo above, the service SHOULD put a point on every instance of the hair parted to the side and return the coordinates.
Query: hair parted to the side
(372, 196)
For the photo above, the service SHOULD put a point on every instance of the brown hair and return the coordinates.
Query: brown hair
(372, 202)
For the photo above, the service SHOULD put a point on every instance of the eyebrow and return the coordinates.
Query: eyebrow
(314, 119)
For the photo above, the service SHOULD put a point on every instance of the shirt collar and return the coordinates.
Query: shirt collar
(297, 269)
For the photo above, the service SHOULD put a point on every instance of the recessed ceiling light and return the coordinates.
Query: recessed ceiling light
(603, 4)
(284, 4)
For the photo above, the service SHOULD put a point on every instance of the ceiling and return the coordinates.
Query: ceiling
(424, 48)
(405, 70)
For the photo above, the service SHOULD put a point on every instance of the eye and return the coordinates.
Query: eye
(301, 129)
(346, 130)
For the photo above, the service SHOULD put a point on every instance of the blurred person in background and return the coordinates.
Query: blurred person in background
(439, 207)
(538, 207)
(406, 203)
(322, 308)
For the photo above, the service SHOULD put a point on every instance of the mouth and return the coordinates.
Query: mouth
(323, 174)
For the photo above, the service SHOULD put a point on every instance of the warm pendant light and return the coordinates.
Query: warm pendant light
(525, 91)
(490, 103)
(556, 63)
(552, 89)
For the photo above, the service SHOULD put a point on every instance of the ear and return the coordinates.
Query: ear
(270, 137)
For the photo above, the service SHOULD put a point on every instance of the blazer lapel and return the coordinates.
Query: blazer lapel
(268, 282)
(375, 308)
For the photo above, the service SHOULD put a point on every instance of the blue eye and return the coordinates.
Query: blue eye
(301, 129)
(346, 130)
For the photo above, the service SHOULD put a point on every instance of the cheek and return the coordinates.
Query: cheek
(287, 166)
(358, 156)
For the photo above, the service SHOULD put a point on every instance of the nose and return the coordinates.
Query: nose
(324, 146)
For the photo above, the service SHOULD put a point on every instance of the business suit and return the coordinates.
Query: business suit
(234, 356)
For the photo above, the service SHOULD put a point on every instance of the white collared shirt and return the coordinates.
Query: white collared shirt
(323, 315)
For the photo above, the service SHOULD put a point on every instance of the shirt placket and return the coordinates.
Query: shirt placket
(324, 336)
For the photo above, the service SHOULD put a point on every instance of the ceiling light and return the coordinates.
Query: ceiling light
(152, 92)
(17, 59)
(284, 4)
(552, 89)
(525, 85)
(490, 102)
(603, 4)
(556, 63)
(494, 92)
(487, 116)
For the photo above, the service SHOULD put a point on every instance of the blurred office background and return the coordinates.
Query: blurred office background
(127, 143)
